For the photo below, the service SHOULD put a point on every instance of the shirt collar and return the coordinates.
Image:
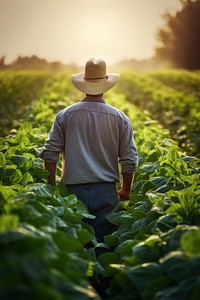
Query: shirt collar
(98, 100)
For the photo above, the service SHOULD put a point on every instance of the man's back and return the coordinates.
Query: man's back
(95, 135)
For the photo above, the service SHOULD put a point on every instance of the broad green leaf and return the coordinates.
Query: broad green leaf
(24, 141)
(195, 265)
(25, 128)
(159, 180)
(143, 275)
(145, 253)
(27, 239)
(187, 289)
(41, 190)
(187, 158)
(114, 269)
(29, 156)
(44, 221)
(72, 200)
(125, 249)
(8, 222)
(108, 258)
(122, 206)
(154, 213)
(45, 292)
(65, 201)
(61, 190)
(138, 224)
(60, 224)
(27, 178)
(168, 221)
(147, 186)
(84, 236)
(66, 243)
(190, 242)
(2, 159)
(171, 293)
(127, 236)
(75, 208)
(153, 156)
(149, 250)
(111, 240)
(164, 188)
(6, 193)
(27, 213)
(172, 238)
(190, 286)
(125, 226)
(150, 167)
(57, 210)
(189, 203)
(38, 172)
(11, 176)
(176, 265)
(129, 291)
(117, 218)
(17, 159)
(37, 214)
(16, 177)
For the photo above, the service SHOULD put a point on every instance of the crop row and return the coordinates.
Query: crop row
(44, 243)
(156, 244)
(180, 80)
(42, 236)
(176, 110)
(17, 90)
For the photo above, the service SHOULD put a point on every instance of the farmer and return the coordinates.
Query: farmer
(93, 138)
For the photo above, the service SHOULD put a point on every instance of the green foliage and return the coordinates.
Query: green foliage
(158, 220)
(17, 90)
(176, 110)
(42, 244)
(48, 252)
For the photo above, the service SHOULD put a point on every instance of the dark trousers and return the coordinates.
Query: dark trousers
(100, 199)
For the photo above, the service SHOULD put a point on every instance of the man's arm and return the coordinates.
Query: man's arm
(51, 167)
(54, 145)
(125, 191)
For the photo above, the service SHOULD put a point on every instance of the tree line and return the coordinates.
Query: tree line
(180, 38)
(34, 62)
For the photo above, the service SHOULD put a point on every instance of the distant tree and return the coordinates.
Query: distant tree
(2, 63)
(180, 39)
(36, 63)
(32, 62)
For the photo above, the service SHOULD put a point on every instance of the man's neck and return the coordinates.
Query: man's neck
(100, 96)
(94, 98)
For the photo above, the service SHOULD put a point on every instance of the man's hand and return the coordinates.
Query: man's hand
(123, 195)
(52, 172)
(125, 192)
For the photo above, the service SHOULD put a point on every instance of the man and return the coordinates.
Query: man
(93, 138)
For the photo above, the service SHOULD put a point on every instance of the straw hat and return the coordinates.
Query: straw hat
(95, 80)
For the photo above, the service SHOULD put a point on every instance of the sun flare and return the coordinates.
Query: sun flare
(97, 33)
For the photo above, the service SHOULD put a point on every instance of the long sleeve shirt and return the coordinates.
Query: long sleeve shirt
(94, 139)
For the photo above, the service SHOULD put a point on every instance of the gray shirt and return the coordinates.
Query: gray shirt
(94, 139)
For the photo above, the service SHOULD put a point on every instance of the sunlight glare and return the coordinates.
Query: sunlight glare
(97, 33)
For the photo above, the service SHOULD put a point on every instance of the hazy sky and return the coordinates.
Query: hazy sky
(75, 30)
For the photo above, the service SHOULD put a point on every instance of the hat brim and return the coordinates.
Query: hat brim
(95, 86)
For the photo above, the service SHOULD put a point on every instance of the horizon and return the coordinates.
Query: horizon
(73, 63)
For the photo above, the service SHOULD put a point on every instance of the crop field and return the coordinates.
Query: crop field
(17, 90)
(154, 254)
(173, 98)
